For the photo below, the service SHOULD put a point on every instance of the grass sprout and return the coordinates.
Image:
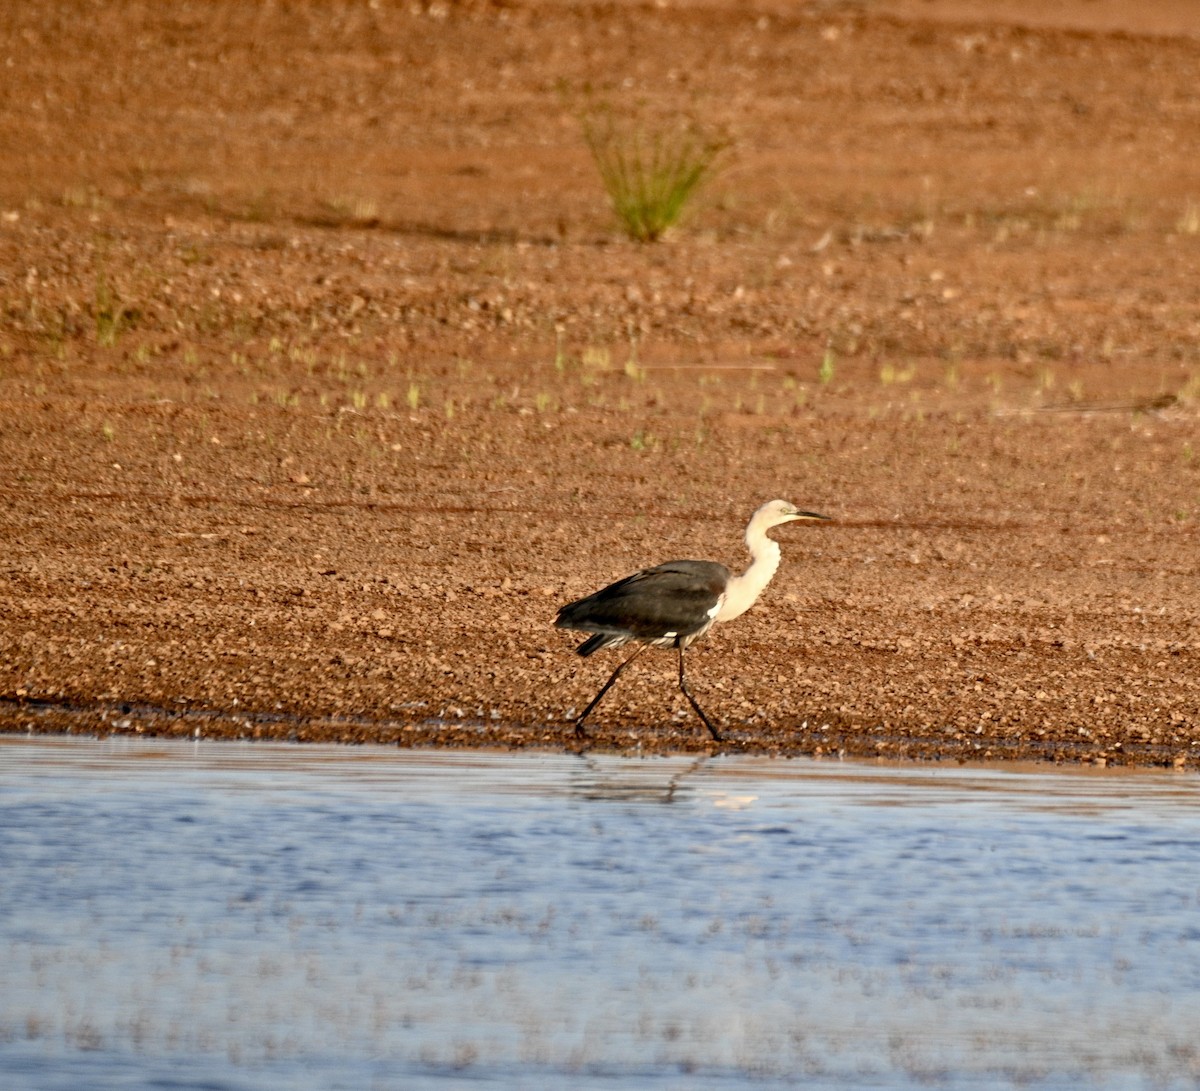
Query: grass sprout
(890, 373)
(111, 315)
(354, 209)
(650, 177)
(560, 355)
(595, 357)
(825, 374)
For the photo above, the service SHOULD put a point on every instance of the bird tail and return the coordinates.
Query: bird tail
(594, 643)
(576, 615)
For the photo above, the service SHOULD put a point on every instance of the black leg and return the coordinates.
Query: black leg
(604, 689)
(699, 711)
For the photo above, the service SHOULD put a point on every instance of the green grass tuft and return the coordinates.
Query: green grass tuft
(650, 177)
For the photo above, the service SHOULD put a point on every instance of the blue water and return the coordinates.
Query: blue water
(228, 916)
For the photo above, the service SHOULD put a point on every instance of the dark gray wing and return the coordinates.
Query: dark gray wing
(677, 597)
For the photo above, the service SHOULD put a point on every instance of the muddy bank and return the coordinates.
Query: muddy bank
(320, 396)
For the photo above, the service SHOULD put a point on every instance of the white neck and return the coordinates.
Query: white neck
(741, 592)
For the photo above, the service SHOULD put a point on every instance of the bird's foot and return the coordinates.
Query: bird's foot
(583, 741)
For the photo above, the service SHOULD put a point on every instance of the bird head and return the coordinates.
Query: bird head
(775, 512)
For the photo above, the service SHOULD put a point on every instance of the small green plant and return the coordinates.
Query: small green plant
(890, 373)
(1072, 212)
(81, 197)
(560, 354)
(1190, 391)
(887, 373)
(414, 396)
(112, 316)
(825, 374)
(354, 209)
(925, 224)
(306, 356)
(650, 177)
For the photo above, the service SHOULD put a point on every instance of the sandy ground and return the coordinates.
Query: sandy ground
(327, 376)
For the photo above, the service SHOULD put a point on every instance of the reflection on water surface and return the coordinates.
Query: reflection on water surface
(244, 916)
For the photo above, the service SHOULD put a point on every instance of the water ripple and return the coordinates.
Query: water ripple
(244, 916)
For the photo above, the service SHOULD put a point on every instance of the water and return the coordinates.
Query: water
(228, 916)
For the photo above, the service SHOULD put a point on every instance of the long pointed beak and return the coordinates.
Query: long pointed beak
(810, 515)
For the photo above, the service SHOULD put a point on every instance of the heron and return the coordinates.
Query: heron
(674, 604)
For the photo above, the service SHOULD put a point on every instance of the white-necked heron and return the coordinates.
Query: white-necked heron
(674, 604)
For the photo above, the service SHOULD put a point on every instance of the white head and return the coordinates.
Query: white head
(775, 512)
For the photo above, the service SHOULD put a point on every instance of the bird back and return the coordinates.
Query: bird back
(668, 601)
